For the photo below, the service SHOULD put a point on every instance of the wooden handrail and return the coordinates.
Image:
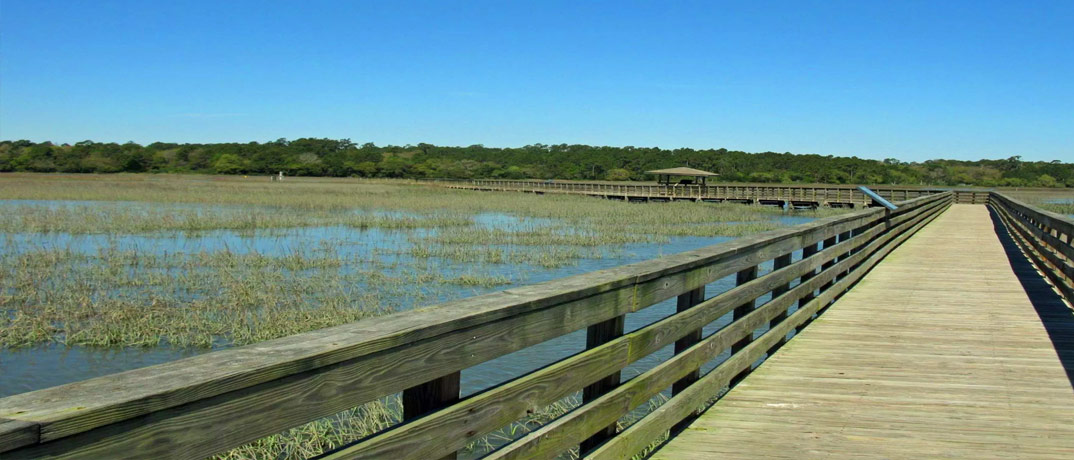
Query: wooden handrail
(1046, 237)
(203, 405)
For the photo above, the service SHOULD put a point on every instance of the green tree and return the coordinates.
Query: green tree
(618, 174)
(228, 164)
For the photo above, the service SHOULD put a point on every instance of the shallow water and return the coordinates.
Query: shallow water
(1062, 201)
(41, 367)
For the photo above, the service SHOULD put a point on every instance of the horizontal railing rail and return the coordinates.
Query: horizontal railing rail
(971, 196)
(207, 404)
(1046, 237)
(826, 194)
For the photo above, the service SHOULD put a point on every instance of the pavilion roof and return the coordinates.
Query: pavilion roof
(682, 172)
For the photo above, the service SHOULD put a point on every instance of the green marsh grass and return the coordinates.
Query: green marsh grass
(122, 297)
(1059, 201)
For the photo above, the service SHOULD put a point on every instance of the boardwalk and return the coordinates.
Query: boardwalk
(946, 349)
(798, 196)
(950, 345)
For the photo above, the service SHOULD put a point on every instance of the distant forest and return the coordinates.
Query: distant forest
(330, 157)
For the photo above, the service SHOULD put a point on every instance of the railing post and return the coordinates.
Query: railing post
(808, 251)
(780, 262)
(741, 278)
(843, 237)
(430, 396)
(597, 335)
(685, 302)
(827, 244)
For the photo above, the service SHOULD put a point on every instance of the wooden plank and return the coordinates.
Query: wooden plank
(860, 382)
(15, 433)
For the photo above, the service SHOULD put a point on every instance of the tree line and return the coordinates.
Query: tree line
(344, 158)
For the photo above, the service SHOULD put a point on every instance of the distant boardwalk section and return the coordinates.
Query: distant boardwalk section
(794, 196)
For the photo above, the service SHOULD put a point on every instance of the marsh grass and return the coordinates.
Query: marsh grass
(313, 438)
(1059, 208)
(559, 235)
(119, 296)
(236, 202)
(319, 436)
(1059, 201)
(91, 218)
(543, 257)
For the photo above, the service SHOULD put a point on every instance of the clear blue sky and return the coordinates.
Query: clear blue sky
(906, 79)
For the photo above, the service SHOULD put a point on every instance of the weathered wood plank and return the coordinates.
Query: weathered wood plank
(15, 433)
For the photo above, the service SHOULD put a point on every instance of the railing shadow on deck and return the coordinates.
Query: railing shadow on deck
(1057, 317)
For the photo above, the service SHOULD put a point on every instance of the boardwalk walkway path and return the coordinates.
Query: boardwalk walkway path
(951, 348)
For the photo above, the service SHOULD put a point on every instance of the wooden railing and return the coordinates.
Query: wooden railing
(1044, 236)
(971, 196)
(203, 405)
(821, 195)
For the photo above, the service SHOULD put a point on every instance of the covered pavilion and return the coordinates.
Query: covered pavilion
(664, 175)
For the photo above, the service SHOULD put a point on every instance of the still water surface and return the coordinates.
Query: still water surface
(35, 368)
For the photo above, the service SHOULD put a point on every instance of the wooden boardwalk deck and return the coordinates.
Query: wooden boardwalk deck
(947, 349)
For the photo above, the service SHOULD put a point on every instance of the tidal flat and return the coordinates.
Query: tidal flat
(100, 274)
